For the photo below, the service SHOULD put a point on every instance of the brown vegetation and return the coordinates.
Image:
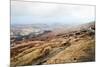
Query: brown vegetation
(75, 46)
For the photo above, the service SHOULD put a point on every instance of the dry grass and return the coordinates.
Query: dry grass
(56, 50)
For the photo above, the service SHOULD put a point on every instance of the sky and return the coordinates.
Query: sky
(36, 12)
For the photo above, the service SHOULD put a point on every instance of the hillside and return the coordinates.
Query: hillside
(63, 45)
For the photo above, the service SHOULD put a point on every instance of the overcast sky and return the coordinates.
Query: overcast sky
(36, 12)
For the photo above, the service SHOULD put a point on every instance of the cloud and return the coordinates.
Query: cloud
(46, 12)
